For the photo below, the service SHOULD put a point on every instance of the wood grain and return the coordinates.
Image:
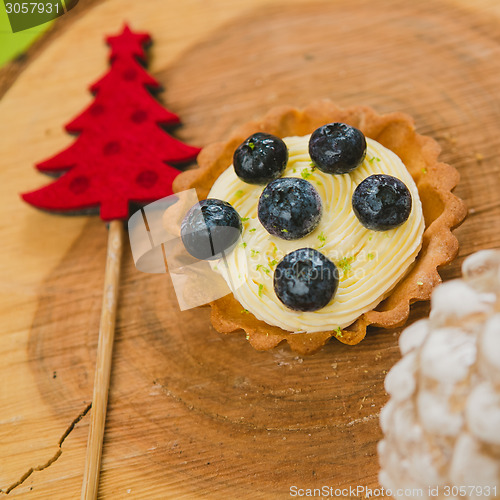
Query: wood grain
(193, 414)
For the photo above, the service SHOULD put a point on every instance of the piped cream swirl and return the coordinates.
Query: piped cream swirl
(370, 262)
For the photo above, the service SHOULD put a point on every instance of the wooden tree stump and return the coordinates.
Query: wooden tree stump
(192, 413)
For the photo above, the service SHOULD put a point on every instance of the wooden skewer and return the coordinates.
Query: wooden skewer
(103, 361)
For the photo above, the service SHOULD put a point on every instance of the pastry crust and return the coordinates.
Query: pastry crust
(442, 212)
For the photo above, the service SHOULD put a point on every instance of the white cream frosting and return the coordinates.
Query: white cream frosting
(370, 262)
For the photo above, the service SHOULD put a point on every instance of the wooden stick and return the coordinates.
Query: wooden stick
(103, 362)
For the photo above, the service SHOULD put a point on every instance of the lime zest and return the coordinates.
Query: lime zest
(264, 268)
(306, 173)
(345, 264)
(322, 239)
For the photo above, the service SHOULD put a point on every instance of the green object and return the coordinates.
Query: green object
(26, 14)
(13, 44)
(21, 22)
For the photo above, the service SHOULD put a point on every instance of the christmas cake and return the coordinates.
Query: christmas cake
(334, 219)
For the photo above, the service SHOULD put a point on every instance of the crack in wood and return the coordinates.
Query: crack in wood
(56, 455)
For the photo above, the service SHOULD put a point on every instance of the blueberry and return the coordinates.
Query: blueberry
(381, 202)
(209, 228)
(289, 208)
(305, 280)
(337, 148)
(260, 159)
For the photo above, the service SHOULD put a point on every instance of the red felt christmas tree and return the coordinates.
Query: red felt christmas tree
(122, 153)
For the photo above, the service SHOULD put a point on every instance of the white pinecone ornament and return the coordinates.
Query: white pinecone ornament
(442, 422)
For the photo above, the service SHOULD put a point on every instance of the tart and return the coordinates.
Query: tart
(396, 264)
